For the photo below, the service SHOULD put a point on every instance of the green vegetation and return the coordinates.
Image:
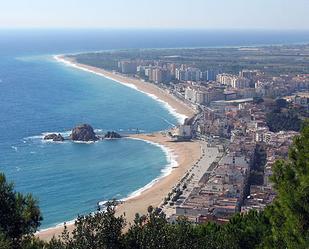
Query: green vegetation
(289, 214)
(101, 230)
(284, 117)
(108, 62)
(19, 216)
(275, 60)
(284, 224)
(281, 103)
(283, 121)
(152, 231)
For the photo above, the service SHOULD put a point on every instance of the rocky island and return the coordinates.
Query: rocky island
(54, 137)
(112, 135)
(84, 133)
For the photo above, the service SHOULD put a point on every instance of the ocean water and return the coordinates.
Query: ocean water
(39, 95)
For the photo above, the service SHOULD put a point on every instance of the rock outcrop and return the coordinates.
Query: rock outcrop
(55, 137)
(112, 134)
(84, 133)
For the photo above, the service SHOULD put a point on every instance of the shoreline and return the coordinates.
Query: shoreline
(172, 163)
(185, 154)
(180, 156)
(176, 107)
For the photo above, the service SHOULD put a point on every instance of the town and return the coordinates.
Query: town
(247, 115)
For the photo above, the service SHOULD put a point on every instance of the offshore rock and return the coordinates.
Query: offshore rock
(111, 134)
(84, 133)
(55, 137)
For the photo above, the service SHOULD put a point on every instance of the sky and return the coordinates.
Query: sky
(189, 14)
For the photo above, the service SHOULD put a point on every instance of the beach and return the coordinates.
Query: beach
(184, 154)
(175, 106)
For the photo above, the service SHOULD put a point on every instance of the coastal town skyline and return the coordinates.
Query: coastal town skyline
(199, 14)
(138, 124)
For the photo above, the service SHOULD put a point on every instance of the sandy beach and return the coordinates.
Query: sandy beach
(185, 153)
(175, 106)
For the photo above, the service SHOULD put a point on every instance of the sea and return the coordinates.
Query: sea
(39, 95)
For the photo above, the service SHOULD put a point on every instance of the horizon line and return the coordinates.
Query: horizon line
(154, 28)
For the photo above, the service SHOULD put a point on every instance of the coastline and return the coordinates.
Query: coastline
(184, 153)
(181, 155)
(175, 106)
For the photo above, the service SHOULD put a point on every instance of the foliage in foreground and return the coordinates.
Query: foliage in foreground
(289, 214)
(19, 216)
(153, 231)
(284, 224)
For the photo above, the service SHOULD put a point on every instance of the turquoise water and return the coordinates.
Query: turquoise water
(38, 95)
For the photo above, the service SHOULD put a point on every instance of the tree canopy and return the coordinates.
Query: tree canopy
(283, 121)
(289, 214)
(19, 215)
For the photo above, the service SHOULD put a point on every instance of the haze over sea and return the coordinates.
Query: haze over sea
(39, 95)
